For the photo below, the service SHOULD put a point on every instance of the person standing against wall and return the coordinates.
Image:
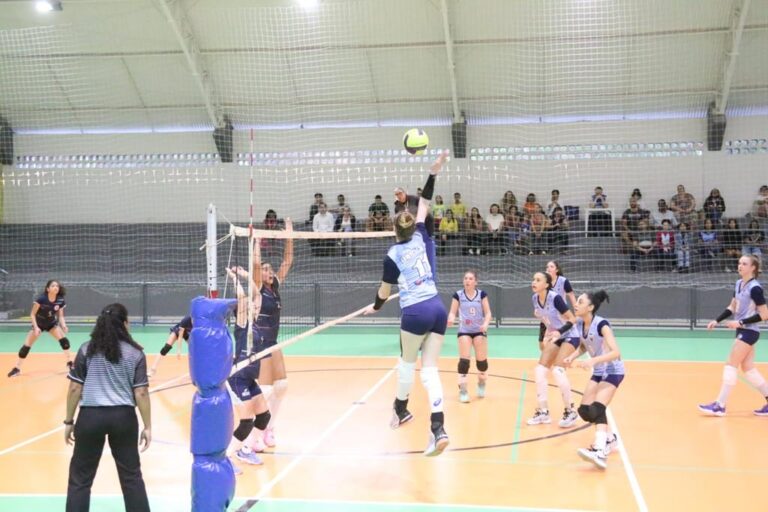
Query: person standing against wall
(108, 380)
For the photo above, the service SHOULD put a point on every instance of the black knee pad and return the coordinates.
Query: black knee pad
(262, 420)
(585, 413)
(482, 366)
(64, 342)
(24, 351)
(243, 430)
(599, 416)
(166, 348)
(463, 367)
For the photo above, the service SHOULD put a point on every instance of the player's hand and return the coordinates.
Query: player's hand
(69, 434)
(569, 360)
(36, 330)
(732, 324)
(145, 439)
(551, 337)
(484, 330)
(711, 325)
(65, 329)
(369, 310)
(586, 364)
(442, 157)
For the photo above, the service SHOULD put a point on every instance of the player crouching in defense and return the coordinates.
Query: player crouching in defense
(607, 367)
(410, 264)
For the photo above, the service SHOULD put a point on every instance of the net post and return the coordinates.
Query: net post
(210, 252)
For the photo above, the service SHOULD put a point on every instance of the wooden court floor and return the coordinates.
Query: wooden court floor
(336, 452)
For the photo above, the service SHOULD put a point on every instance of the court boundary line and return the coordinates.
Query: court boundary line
(250, 502)
(634, 484)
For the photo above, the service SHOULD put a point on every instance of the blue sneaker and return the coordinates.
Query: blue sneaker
(714, 409)
(248, 457)
(762, 411)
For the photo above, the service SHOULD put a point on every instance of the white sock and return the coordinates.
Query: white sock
(462, 379)
(482, 376)
(730, 376)
(758, 382)
(430, 378)
(561, 378)
(541, 385)
(279, 389)
(601, 438)
(405, 378)
(234, 445)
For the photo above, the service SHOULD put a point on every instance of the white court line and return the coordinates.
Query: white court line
(60, 428)
(633, 483)
(306, 451)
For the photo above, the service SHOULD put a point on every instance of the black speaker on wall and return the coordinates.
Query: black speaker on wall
(223, 138)
(459, 138)
(6, 143)
(715, 129)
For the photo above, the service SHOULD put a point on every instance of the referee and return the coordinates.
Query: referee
(108, 380)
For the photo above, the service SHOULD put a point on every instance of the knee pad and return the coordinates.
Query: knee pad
(243, 430)
(585, 413)
(24, 351)
(166, 348)
(64, 342)
(598, 414)
(280, 386)
(463, 366)
(482, 366)
(262, 420)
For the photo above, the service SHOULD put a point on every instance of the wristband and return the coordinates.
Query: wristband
(751, 319)
(378, 302)
(725, 314)
(565, 328)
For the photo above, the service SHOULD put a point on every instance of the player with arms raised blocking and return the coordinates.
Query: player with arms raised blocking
(749, 309)
(597, 339)
(557, 340)
(47, 315)
(410, 265)
(179, 331)
(474, 310)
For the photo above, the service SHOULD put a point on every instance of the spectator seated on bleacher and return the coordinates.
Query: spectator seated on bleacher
(379, 221)
(760, 206)
(459, 209)
(630, 220)
(323, 223)
(341, 204)
(538, 238)
(513, 220)
(714, 207)
(753, 239)
(314, 207)
(345, 223)
(558, 231)
(378, 206)
(663, 213)
(554, 202)
(684, 206)
(599, 221)
(438, 210)
(731, 239)
(683, 246)
(709, 245)
(448, 232)
(643, 240)
(495, 223)
(665, 246)
(508, 200)
(476, 233)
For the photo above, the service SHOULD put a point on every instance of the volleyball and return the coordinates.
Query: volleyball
(416, 141)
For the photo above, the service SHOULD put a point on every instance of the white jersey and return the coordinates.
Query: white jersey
(471, 315)
(409, 268)
(745, 295)
(561, 286)
(594, 342)
(550, 313)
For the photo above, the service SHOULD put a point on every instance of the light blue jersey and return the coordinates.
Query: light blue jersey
(562, 286)
(745, 294)
(408, 265)
(595, 344)
(471, 316)
(550, 313)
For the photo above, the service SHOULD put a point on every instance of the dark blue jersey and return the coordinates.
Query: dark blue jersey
(268, 321)
(48, 311)
(186, 324)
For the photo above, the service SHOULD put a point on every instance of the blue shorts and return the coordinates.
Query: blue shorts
(261, 344)
(472, 335)
(423, 317)
(175, 330)
(243, 383)
(610, 379)
(748, 336)
(571, 341)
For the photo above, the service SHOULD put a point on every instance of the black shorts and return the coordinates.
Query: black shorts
(748, 336)
(47, 325)
(472, 335)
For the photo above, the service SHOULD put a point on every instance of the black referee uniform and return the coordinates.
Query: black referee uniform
(107, 412)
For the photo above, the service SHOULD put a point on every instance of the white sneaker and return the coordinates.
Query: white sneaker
(594, 456)
(569, 418)
(463, 394)
(258, 444)
(611, 445)
(540, 417)
(438, 442)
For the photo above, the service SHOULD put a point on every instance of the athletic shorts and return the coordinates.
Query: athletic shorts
(423, 317)
(243, 383)
(748, 336)
(175, 330)
(46, 326)
(610, 379)
(472, 335)
(571, 341)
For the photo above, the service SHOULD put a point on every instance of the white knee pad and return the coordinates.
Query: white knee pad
(280, 386)
(405, 378)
